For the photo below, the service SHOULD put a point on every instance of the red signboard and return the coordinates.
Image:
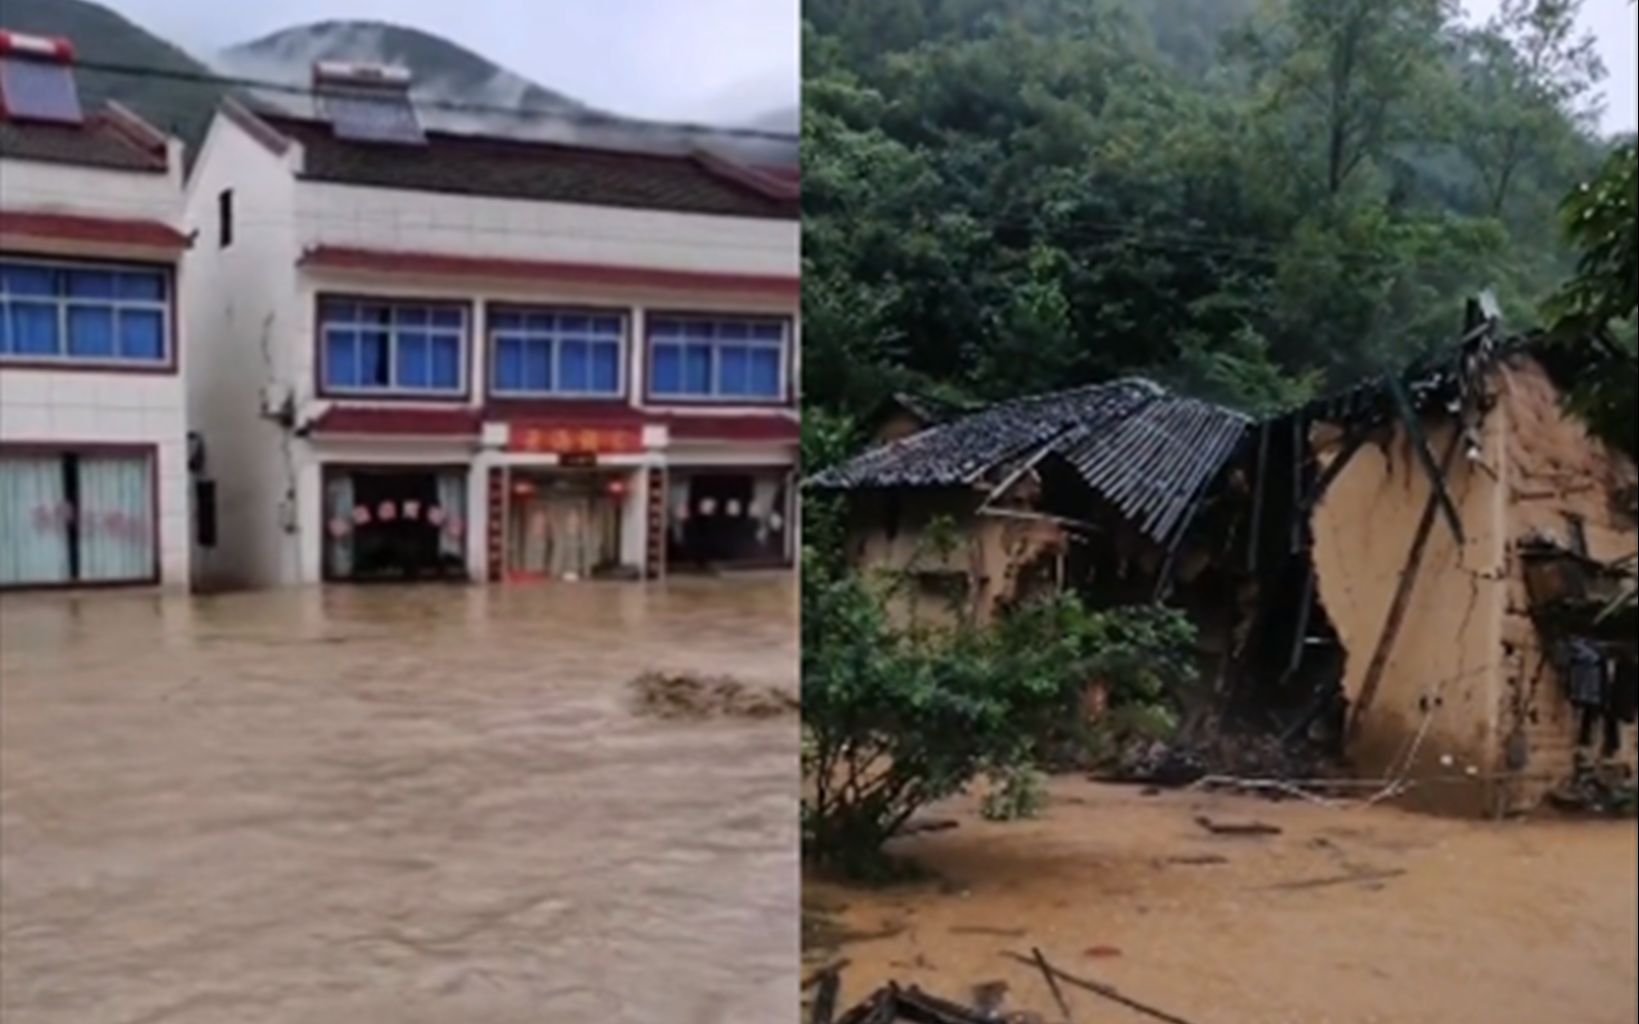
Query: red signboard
(575, 440)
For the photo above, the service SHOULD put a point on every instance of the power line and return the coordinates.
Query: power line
(516, 113)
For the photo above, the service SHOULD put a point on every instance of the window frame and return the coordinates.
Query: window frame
(623, 355)
(395, 393)
(166, 307)
(785, 346)
(148, 452)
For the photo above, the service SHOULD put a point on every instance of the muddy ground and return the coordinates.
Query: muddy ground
(394, 805)
(1506, 923)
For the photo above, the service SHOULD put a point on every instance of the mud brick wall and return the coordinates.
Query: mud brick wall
(1555, 473)
(1467, 705)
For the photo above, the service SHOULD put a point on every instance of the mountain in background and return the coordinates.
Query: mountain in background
(444, 73)
(491, 99)
(102, 37)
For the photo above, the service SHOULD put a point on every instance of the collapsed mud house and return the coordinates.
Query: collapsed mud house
(1426, 571)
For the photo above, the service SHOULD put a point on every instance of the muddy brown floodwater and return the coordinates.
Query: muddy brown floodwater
(1454, 921)
(394, 805)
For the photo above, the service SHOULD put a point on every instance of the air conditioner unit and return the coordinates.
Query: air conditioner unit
(278, 403)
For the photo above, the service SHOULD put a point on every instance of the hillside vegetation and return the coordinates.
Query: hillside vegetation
(1252, 201)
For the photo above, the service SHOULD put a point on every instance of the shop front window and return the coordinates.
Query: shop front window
(395, 524)
(728, 519)
(72, 517)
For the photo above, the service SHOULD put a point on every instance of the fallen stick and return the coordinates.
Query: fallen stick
(819, 975)
(1355, 876)
(1052, 983)
(1108, 992)
(825, 1000)
(1253, 828)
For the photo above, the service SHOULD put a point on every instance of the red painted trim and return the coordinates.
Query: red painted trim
(173, 354)
(628, 344)
(398, 422)
(789, 344)
(150, 234)
(734, 428)
(57, 48)
(332, 257)
(462, 397)
(148, 449)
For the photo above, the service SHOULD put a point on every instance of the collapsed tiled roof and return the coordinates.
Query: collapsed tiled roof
(516, 169)
(99, 142)
(1147, 451)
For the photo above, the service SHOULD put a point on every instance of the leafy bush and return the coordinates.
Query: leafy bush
(1017, 791)
(896, 720)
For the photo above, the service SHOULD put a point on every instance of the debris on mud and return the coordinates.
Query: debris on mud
(893, 1004)
(679, 695)
(1249, 828)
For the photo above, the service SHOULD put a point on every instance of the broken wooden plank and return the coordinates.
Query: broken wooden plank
(1108, 992)
(1425, 455)
(1052, 983)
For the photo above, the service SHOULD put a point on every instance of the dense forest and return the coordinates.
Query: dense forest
(1251, 201)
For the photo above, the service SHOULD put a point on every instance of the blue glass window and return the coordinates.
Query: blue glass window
(394, 347)
(716, 358)
(560, 353)
(84, 313)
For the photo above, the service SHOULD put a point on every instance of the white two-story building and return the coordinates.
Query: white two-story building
(93, 435)
(468, 356)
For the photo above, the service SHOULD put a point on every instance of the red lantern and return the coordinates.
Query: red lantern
(387, 512)
(361, 515)
(412, 510)
(435, 515)
(340, 528)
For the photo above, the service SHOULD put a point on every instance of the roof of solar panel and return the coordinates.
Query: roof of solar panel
(39, 90)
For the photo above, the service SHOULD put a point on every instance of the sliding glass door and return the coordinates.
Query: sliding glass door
(71, 517)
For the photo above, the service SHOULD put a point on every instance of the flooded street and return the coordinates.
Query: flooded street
(394, 805)
(1362, 916)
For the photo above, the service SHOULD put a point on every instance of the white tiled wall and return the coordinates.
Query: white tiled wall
(110, 408)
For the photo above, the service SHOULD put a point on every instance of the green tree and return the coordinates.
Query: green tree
(1595, 311)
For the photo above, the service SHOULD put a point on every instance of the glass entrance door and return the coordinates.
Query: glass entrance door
(562, 526)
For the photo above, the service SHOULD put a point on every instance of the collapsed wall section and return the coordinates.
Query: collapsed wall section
(1417, 608)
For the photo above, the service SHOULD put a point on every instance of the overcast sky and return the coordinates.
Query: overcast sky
(718, 60)
(676, 59)
(1615, 23)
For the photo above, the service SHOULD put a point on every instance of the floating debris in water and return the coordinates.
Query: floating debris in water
(684, 695)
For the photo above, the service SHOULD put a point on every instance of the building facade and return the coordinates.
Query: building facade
(93, 433)
(439, 355)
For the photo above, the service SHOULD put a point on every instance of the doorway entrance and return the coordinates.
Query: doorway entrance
(564, 525)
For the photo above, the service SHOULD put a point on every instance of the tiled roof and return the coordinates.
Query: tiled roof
(100, 142)
(516, 169)
(1145, 450)
(69, 227)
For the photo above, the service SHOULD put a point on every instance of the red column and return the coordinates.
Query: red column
(494, 535)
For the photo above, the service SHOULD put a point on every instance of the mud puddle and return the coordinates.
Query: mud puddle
(396, 805)
(1323, 916)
